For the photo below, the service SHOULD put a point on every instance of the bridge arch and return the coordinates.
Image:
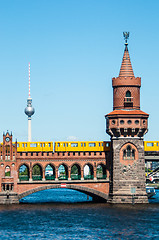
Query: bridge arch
(96, 195)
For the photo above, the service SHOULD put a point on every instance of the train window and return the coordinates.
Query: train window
(157, 144)
(84, 144)
(26, 145)
(58, 144)
(17, 144)
(23, 145)
(74, 144)
(102, 144)
(149, 144)
(49, 144)
(81, 144)
(43, 144)
(40, 144)
(92, 144)
(66, 144)
(63, 144)
(33, 144)
(99, 144)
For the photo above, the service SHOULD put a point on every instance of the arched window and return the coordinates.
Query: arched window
(75, 172)
(63, 172)
(129, 153)
(88, 172)
(50, 172)
(101, 171)
(24, 173)
(128, 94)
(7, 171)
(37, 172)
(128, 100)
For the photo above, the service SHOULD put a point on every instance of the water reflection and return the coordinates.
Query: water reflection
(77, 221)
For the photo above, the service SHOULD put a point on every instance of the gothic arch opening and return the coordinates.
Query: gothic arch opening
(37, 172)
(63, 172)
(101, 171)
(75, 172)
(7, 171)
(50, 172)
(88, 172)
(24, 173)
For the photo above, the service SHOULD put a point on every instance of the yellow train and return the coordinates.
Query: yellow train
(151, 146)
(92, 146)
(35, 147)
(63, 146)
(82, 146)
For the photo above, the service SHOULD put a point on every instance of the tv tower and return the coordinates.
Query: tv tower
(29, 110)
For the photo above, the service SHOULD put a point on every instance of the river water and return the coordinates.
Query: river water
(34, 219)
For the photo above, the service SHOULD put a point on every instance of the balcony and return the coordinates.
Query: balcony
(128, 102)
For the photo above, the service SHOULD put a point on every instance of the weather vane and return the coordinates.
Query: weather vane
(126, 36)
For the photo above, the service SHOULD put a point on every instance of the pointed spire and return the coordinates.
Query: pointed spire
(29, 80)
(126, 67)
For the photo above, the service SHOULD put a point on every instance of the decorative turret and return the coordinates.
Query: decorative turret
(29, 110)
(127, 119)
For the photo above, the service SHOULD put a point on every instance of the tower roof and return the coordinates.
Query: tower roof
(126, 67)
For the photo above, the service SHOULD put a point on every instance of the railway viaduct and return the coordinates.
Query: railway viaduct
(122, 169)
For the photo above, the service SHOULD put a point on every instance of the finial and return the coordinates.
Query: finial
(29, 80)
(126, 37)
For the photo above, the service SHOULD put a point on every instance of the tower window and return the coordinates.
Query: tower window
(128, 100)
(129, 153)
(128, 94)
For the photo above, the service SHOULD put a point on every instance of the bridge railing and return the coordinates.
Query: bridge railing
(36, 177)
(104, 176)
(50, 177)
(75, 177)
(23, 178)
(88, 177)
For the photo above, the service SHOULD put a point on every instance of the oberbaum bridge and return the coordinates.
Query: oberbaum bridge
(112, 172)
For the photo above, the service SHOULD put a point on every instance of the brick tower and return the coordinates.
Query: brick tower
(126, 125)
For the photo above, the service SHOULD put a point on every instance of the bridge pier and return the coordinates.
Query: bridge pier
(9, 198)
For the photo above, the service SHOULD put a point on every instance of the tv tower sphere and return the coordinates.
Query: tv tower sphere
(29, 110)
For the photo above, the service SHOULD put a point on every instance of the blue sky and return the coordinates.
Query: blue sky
(74, 47)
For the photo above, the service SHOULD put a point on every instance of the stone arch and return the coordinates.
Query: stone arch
(101, 171)
(49, 171)
(23, 173)
(62, 171)
(88, 171)
(97, 195)
(75, 171)
(37, 172)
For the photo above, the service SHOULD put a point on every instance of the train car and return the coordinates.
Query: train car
(34, 146)
(92, 146)
(151, 146)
